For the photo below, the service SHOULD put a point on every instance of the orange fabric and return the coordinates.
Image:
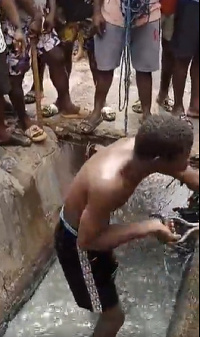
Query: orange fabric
(168, 6)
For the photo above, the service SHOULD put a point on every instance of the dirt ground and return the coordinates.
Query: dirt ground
(82, 91)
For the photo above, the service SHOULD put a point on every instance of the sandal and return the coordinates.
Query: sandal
(137, 107)
(36, 134)
(30, 98)
(167, 104)
(87, 127)
(17, 139)
(108, 114)
(50, 111)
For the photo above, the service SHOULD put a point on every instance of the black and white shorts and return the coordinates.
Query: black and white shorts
(90, 275)
(4, 75)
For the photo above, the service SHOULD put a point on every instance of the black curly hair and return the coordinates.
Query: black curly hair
(163, 136)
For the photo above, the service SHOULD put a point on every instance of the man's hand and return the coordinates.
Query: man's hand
(19, 42)
(99, 24)
(35, 28)
(49, 23)
(164, 233)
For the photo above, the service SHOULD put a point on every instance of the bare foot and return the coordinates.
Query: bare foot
(71, 111)
(178, 111)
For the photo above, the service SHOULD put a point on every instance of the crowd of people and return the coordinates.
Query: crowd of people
(99, 27)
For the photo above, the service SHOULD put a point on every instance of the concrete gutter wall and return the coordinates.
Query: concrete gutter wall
(185, 321)
(33, 183)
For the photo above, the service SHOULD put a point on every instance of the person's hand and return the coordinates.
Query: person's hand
(35, 27)
(20, 42)
(165, 233)
(99, 24)
(49, 23)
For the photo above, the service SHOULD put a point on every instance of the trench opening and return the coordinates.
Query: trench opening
(147, 287)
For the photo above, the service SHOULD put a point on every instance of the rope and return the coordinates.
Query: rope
(132, 10)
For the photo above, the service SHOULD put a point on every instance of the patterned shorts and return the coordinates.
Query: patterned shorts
(90, 275)
(81, 32)
(19, 65)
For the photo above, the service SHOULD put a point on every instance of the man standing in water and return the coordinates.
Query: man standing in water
(84, 238)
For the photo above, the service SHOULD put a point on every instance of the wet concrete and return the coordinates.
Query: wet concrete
(147, 291)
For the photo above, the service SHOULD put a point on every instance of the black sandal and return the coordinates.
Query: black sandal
(86, 127)
(30, 98)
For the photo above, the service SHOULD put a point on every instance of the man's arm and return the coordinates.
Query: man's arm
(95, 234)
(52, 7)
(11, 12)
(30, 8)
(190, 177)
(49, 23)
(98, 19)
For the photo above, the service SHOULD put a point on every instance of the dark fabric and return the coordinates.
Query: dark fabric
(103, 266)
(185, 41)
(76, 10)
(4, 75)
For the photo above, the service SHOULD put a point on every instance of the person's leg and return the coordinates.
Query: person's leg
(108, 50)
(179, 82)
(17, 98)
(145, 60)
(185, 43)
(168, 60)
(89, 44)
(56, 63)
(144, 85)
(68, 51)
(194, 103)
(110, 323)
(4, 135)
(41, 69)
(166, 71)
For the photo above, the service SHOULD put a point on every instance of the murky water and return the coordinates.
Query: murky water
(147, 291)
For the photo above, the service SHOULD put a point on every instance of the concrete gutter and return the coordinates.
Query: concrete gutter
(185, 321)
(33, 184)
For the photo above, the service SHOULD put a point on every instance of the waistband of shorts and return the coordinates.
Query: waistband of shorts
(67, 226)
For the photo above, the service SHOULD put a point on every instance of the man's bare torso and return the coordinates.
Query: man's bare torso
(102, 177)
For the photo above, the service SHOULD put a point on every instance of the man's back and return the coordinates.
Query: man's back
(101, 176)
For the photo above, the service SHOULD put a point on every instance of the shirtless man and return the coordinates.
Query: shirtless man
(84, 238)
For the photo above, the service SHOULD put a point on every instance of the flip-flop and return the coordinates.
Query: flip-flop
(167, 105)
(36, 134)
(17, 139)
(108, 114)
(193, 114)
(83, 113)
(30, 98)
(137, 107)
(50, 111)
(86, 127)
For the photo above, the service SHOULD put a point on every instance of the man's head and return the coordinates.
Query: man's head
(166, 139)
